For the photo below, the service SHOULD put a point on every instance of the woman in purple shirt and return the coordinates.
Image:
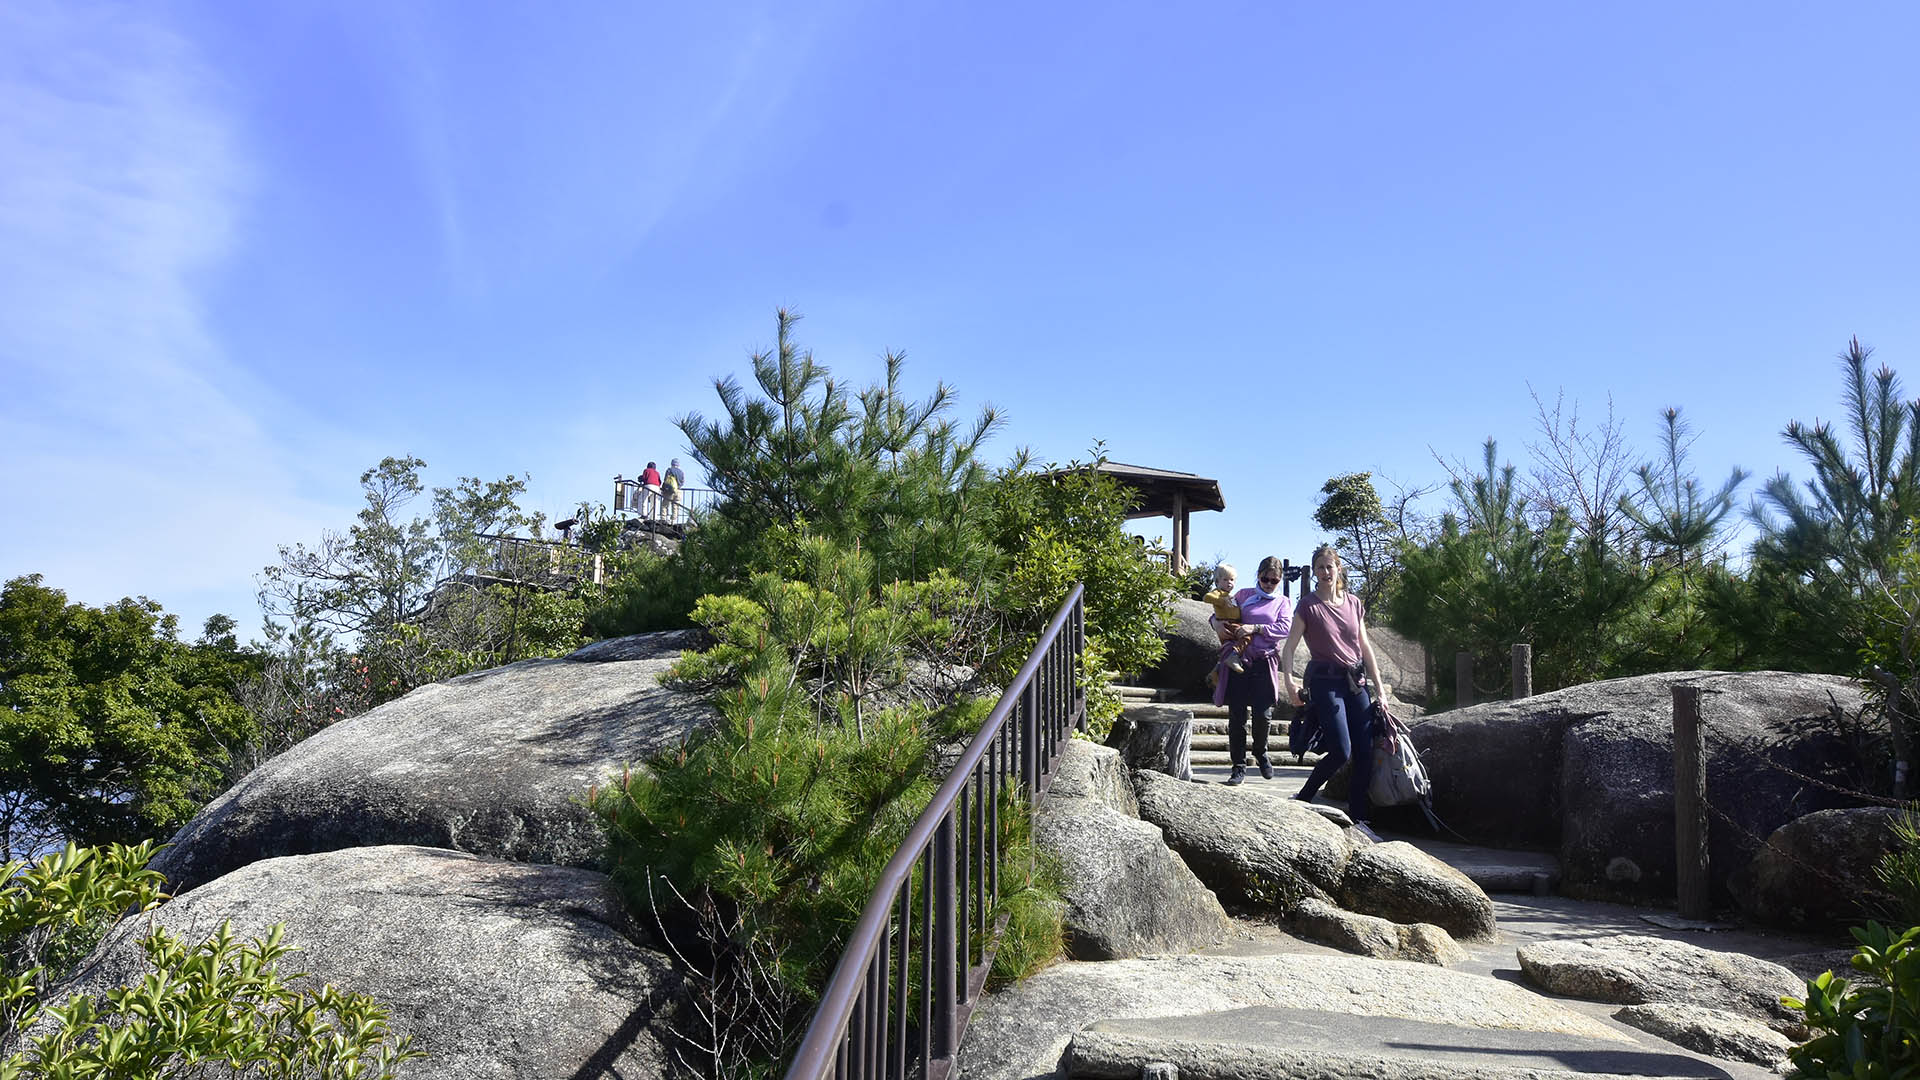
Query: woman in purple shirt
(1335, 625)
(1264, 620)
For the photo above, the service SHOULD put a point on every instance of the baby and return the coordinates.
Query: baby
(1226, 615)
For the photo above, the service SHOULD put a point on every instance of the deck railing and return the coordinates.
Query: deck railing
(899, 1000)
(650, 504)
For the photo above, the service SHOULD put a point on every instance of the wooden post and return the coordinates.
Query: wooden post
(1179, 532)
(1462, 679)
(1690, 805)
(1522, 671)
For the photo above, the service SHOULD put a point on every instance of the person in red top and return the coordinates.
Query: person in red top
(1334, 622)
(650, 483)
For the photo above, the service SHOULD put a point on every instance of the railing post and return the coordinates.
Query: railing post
(1030, 738)
(1462, 679)
(1690, 806)
(1522, 671)
(945, 934)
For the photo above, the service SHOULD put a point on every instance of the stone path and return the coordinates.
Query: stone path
(1283, 1040)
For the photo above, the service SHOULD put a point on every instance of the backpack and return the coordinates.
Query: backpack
(1304, 732)
(1398, 776)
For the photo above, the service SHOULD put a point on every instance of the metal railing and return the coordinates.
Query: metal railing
(899, 1000)
(650, 504)
(539, 562)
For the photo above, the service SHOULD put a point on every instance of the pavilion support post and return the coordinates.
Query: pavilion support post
(1179, 554)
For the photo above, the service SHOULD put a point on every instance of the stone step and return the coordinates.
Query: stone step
(1221, 757)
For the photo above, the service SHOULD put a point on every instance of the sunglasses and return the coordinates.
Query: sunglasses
(1269, 581)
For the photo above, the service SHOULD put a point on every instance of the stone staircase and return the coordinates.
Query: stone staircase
(1209, 727)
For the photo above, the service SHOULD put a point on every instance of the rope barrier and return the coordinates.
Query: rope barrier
(1732, 742)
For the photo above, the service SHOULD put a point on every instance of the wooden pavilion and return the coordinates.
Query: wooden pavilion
(1168, 494)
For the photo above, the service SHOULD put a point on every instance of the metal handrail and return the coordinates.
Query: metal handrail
(861, 1028)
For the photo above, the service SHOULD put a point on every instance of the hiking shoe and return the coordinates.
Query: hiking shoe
(1266, 768)
(1366, 830)
(1235, 664)
(1239, 775)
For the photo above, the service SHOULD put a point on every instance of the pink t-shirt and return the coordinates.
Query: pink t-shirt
(1332, 629)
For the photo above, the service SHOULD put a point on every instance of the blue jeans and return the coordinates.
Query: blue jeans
(1346, 725)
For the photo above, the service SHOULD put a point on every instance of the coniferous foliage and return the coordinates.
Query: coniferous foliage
(874, 466)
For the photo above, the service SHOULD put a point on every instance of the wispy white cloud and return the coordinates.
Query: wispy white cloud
(135, 459)
(534, 168)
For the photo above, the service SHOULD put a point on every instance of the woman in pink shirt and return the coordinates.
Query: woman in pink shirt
(1335, 625)
(1263, 625)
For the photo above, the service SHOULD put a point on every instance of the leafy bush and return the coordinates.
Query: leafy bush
(111, 729)
(221, 1001)
(1870, 1028)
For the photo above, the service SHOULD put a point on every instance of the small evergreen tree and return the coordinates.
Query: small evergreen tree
(1350, 509)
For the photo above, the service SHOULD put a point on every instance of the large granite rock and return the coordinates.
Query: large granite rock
(1636, 969)
(494, 762)
(1192, 651)
(1263, 851)
(1588, 771)
(1370, 935)
(1252, 845)
(497, 970)
(1126, 893)
(1020, 1033)
(1403, 665)
(1818, 870)
(1714, 1032)
(1089, 772)
(1398, 881)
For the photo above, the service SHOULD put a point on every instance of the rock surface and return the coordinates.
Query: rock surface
(1192, 651)
(1635, 969)
(1398, 881)
(497, 970)
(1588, 771)
(1126, 893)
(493, 763)
(1713, 1032)
(1089, 772)
(1817, 870)
(1021, 1032)
(1254, 848)
(1370, 935)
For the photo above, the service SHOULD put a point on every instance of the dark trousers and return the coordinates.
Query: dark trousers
(1237, 732)
(1346, 725)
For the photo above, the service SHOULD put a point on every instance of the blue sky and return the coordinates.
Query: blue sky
(246, 250)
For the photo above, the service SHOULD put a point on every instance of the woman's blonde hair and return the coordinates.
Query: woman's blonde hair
(1339, 569)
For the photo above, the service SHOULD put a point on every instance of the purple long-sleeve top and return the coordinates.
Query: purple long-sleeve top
(1270, 618)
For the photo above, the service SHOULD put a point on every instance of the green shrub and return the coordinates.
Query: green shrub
(222, 1001)
(1867, 1029)
(644, 592)
(1030, 887)
(1898, 871)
